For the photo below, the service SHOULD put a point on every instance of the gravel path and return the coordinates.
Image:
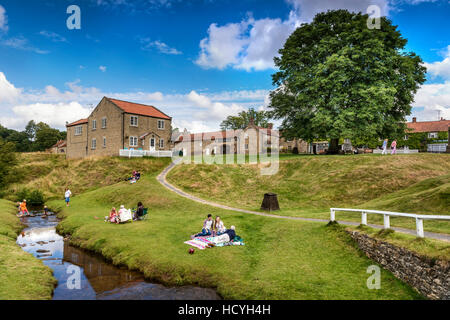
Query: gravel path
(162, 179)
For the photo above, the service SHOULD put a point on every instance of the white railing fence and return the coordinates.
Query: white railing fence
(387, 214)
(140, 153)
(398, 151)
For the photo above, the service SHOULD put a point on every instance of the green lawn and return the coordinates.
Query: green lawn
(22, 276)
(281, 260)
(307, 186)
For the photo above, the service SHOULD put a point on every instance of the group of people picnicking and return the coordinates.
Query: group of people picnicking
(216, 232)
(393, 147)
(124, 215)
(135, 177)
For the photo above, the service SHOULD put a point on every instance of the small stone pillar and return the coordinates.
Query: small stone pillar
(270, 202)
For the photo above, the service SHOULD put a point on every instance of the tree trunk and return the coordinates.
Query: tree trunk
(334, 146)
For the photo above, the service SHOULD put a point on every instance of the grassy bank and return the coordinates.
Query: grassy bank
(51, 173)
(308, 186)
(22, 276)
(281, 259)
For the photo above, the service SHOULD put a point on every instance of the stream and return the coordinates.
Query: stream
(95, 278)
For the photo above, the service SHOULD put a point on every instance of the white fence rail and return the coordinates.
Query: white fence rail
(140, 153)
(398, 151)
(387, 214)
(437, 148)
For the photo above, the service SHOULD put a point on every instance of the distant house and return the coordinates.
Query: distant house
(250, 140)
(433, 135)
(58, 148)
(115, 124)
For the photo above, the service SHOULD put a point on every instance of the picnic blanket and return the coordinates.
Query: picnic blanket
(202, 242)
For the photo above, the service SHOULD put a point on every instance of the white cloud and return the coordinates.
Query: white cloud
(440, 68)
(8, 93)
(194, 111)
(252, 44)
(53, 36)
(21, 43)
(102, 68)
(160, 46)
(54, 114)
(3, 19)
(432, 97)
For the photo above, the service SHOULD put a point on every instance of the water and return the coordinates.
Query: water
(98, 279)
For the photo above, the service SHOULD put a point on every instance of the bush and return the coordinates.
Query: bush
(22, 194)
(36, 198)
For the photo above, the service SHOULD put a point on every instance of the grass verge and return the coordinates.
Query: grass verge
(281, 260)
(22, 276)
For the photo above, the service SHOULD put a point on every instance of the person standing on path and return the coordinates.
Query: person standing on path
(394, 147)
(385, 142)
(67, 195)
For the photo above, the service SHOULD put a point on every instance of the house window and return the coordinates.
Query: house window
(161, 143)
(94, 124)
(134, 121)
(432, 135)
(161, 124)
(246, 146)
(94, 144)
(133, 141)
(104, 142)
(405, 138)
(78, 130)
(103, 122)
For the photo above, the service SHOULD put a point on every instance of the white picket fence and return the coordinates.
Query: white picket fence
(140, 153)
(387, 214)
(398, 151)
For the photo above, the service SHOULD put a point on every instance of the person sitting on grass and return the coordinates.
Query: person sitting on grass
(227, 236)
(139, 211)
(218, 227)
(207, 228)
(137, 175)
(113, 216)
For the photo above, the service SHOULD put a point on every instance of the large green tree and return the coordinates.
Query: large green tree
(241, 121)
(7, 162)
(338, 78)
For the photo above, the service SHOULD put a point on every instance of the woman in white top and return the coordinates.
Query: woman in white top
(219, 227)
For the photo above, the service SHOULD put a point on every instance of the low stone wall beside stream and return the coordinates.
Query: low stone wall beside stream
(430, 277)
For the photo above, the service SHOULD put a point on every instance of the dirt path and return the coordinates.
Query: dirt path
(162, 179)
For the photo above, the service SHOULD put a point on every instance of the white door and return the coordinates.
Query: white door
(152, 144)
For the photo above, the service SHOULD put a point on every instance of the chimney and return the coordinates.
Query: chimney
(442, 119)
(414, 119)
(270, 126)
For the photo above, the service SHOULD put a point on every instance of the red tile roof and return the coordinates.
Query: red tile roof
(60, 144)
(81, 121)
(139, 109)
(429, 126)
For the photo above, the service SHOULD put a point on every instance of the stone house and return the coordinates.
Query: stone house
(436, 133)
(115, 124)
(243, 141)
(58, 148)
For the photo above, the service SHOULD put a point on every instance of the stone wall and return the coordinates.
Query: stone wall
(430, 277)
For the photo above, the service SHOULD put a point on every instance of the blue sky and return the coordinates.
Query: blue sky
(199, 61)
